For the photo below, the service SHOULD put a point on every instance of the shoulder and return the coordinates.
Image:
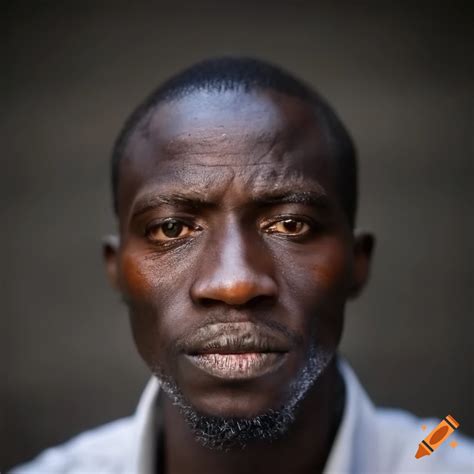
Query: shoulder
(387, 439)
(399, 434)
(101, 450)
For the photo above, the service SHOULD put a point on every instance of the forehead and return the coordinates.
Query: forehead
(208, 141)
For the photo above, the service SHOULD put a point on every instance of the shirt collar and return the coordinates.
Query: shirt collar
(144, 437)
(354, 449)
(349, 449)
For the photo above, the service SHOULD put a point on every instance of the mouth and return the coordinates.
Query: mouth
(236, 351)
(239, 366)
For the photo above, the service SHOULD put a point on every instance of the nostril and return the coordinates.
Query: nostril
(260, 301)
(207, 302)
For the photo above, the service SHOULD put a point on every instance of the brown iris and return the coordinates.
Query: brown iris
(291, 226)
(170, 229)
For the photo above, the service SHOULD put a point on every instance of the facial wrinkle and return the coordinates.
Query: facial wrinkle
(203, 143)
(272, 179)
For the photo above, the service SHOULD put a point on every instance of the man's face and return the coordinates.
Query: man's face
(232, 289)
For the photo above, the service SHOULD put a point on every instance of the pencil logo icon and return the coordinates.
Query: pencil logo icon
(437, 437)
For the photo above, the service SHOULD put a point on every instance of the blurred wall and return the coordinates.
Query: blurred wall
(399, 77)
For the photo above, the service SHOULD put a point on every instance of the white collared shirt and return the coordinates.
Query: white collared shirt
(369, 440)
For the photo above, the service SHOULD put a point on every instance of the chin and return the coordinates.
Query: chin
(237, 403)
(225, 415)
(227, 423)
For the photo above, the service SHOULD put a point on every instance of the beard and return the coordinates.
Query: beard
(225, 433)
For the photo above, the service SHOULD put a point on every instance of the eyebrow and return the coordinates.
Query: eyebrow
(317, 199)
(310, 198)
(191, 201)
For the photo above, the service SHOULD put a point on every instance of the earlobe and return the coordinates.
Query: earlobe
(364, 244)
(110, 247)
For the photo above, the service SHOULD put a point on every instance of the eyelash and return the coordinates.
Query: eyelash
(269, 223)
(312, 226)
(171, 241)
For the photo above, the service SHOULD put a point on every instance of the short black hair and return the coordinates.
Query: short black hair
(242, 73)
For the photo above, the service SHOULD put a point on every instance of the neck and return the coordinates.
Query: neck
(303, 449)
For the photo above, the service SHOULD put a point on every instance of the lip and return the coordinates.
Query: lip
(235, 338)
(238, 366)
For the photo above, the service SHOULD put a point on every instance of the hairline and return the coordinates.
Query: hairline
(144, 113)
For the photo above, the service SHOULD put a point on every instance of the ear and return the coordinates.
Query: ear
(364, 244)
(110, 248)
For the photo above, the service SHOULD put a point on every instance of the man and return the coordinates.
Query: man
(235, 188)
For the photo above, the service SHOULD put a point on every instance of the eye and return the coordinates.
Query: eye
(289, 227)
(168, 230)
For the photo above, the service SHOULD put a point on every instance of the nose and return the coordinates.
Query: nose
(237, 271)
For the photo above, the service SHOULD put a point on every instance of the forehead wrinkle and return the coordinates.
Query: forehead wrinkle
(275, 153)
(209, 138)
(271, 156)
(207, 195)
(263, 176)
(289, 178)
(258, 139)
(231, 155)
(233, 165)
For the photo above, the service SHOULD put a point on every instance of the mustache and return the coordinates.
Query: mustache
(239, 337)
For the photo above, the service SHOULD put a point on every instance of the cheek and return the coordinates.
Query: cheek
(147, 292)
(331, 270)
(317, 283)
(331, 266)
(139, 291)
(135, 280)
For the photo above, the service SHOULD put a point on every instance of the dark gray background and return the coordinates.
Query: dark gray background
(399, 77)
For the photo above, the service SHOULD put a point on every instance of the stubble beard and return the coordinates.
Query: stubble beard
(225, 433)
